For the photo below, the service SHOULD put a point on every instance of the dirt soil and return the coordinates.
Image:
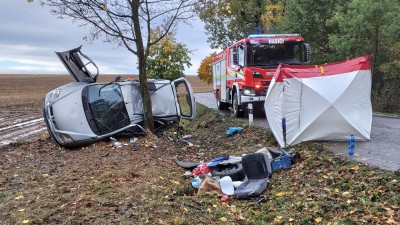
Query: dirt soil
(42, 183)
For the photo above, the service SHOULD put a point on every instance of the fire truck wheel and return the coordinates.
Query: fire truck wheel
(235, 106)
(221, 105)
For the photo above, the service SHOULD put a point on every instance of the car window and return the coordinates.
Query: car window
(184, 99)
(105, 108)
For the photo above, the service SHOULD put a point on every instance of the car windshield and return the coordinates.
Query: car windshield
(105, 108)
(271, 55)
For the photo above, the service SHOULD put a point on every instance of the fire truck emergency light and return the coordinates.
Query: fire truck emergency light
(272, 35)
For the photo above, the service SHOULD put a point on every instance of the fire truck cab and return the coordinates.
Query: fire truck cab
(242, 72)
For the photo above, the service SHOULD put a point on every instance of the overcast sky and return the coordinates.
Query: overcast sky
(30, 35)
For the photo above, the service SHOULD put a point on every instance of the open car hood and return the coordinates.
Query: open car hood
(76, 67)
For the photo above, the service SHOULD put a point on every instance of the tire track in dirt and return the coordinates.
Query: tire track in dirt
(19, 129)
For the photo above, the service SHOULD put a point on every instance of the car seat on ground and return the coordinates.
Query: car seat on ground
(256, 170)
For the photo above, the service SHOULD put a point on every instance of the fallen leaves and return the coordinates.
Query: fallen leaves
(352, 211)
(318, 219)
(233, 209)
(346, 194)
(278, 219)
(175, 182)
(280, 194)
(19, 197)
(82, 185)
(255, 212)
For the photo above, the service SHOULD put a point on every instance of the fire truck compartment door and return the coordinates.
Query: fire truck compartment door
(223, 81)
(219, 80)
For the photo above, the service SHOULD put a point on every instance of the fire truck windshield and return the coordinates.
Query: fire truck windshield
(271, 55)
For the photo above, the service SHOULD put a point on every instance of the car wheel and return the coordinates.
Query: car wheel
(236, 107)
(235, 171)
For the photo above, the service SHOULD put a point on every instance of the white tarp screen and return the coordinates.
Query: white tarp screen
(327, 102)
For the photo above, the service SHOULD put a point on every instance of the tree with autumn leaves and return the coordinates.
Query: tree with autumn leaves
(205, 69)
(167, 58)
(227, 21)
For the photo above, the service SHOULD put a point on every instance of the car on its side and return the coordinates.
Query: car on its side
(83, 112)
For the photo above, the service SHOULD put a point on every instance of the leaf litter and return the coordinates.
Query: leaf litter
(101, 184)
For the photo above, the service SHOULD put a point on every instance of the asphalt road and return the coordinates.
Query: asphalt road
(382, 151)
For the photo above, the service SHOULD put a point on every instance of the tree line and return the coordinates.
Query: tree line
(336, 29)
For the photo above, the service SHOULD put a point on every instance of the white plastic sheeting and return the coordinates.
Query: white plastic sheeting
(321, 102)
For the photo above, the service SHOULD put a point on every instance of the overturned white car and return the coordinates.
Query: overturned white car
(84, 112)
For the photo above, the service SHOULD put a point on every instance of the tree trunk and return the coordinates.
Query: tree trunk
(259, 14)
(144, 88)
(283, 3)
(377, 76)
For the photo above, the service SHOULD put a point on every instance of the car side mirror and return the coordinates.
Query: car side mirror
(238, 68)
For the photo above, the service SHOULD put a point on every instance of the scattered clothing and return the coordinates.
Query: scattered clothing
(214, 162)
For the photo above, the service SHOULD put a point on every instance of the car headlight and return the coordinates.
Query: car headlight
(55, 94)
(65, 138)
(248, 91)
(257, 74)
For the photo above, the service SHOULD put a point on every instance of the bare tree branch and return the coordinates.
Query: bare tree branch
(127, 23)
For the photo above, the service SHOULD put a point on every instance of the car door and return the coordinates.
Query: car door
(79, 69)
(184, 99)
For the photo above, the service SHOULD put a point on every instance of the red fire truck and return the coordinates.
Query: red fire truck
(243, 71)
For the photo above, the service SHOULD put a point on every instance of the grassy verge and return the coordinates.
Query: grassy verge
(41, 183)
(320, 189)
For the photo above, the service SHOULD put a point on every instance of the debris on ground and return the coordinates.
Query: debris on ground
(210, 186)
(135, 148)
(186, 137)
(244, 177)
(187, 165)
(201, 170)
(115, 143)
(133, 140)
(214, 162)
(233, 130)
(196, 182)
(190, 144)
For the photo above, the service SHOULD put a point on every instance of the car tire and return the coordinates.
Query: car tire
(221, 105)
(235, 171)
(236, 107)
